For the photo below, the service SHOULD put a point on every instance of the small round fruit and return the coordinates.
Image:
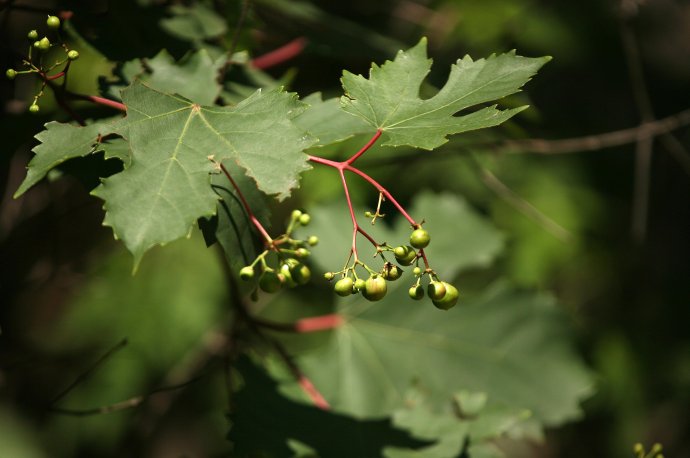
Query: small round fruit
(34, 108)
(436, 290)
(11, 73)
(417, 271)
(286, 276)
(343, 287)
(391, 272)
(360, 284)
(269, 282)
(302, 253)
(73, 54)
(296, 214)
(419, 238)
(416, 292)
(404, 254)
(53, 22)
(43, 44)
(247, 273)
(449, 299)
(313, 240)
(301, 274)
(375, 288)
(32, 35)
(304, 219)
(329, 276)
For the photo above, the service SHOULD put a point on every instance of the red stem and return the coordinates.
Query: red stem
(280, 55)
(355, 225)
(245, 204)
(364, 149)
(304, 325)
(98, 100)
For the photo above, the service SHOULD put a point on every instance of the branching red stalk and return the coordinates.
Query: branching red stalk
(259, 227)
(347, 165)
(280, 55)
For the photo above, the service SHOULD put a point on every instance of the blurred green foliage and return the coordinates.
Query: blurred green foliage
(68, 295)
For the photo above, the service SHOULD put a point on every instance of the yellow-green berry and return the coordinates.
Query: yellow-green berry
(416, 292)
(313, 240)
(436, 290)
(53, 22)
(419, 238)
(304, 219)
(247, 273)
(34, 108)
(11, 73)
(43, 44)
(343, 287)
(329, 276)
(449, 299)
(73, 54)
(375, 288)
(32, 35)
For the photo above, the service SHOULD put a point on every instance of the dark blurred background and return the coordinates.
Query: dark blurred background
(606, 226)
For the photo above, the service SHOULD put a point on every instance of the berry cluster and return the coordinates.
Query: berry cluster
(34, 59)
(286, 256)
(442, 294)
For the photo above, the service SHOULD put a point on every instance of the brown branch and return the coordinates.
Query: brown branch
(645, 130)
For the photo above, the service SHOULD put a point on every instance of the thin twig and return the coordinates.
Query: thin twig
(643, 149)
(676, 149)
(86, 374)
(649, 129)
(126, 404)
(235, 39)
(524, 207)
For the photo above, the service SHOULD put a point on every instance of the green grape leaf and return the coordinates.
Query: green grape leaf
(512, 345)
(451, 428)
(265, 422)
(59, 143)
(194, 76)
(117, 148)
(327, 122)
(389, 99)
(166, 188)
(195, 23)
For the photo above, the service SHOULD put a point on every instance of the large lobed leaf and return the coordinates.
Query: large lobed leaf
(389, 99)
(512, 345)
(167, 188)
(59, 143)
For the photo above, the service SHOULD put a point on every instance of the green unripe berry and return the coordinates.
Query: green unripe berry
(36, 44)
(285, 276)
(11, 73)
(436, 290)
(34, 108)
(419, 238)
(304, 219)
(360, 284)
(302, 253)
(391, 272)
(53, 22)
(269, 282)
(449, 299)
(417, 271)
(43, 44)
(73, 54)
(343, 287)
(416, 292)
(375, 288)
(329, 276)
(404, 254)
(296, 214)
(247, 273)
(313, 240)
(32, 35)
(368, 214)
(301, 274)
